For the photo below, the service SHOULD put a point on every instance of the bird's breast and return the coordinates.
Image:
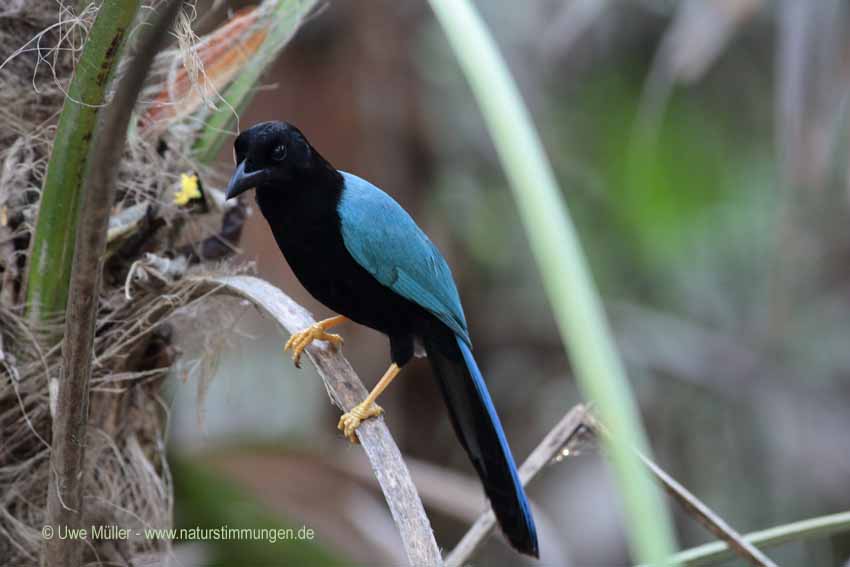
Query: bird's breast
(312, 242)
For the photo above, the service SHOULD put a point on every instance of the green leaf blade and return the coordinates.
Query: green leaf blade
(576, 303)
(52, 248)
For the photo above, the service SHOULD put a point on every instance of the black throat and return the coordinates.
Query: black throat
(302, 214)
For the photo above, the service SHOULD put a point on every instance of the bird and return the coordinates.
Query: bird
(358, 252)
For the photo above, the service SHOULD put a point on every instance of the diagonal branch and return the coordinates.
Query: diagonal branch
(346, 390)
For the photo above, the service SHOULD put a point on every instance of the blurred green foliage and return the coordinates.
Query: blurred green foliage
(670, 195)
(206, 500)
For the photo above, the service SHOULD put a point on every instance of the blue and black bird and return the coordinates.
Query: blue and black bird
(359, 253)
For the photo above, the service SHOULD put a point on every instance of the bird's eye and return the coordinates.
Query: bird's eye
(279, 153)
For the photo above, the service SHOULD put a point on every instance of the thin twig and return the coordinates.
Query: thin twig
(696, 508)
(65, 493)
(712, 522)
(346, 390)
(549, 448)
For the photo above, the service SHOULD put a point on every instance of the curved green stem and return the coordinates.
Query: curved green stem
(52, 249)
(575, 302)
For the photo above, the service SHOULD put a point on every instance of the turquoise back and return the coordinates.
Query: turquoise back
(387, 242)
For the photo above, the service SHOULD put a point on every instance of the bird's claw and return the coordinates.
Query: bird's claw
(302, 339)
(350, 421)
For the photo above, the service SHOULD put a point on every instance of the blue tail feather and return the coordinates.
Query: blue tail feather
(484, 394)
(480, 432)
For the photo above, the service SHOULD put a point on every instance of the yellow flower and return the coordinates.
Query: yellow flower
(188, 189)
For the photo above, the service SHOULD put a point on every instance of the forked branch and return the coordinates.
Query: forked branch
(556, 442)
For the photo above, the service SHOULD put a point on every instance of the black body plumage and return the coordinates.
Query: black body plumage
(306, 226)
(389, 277)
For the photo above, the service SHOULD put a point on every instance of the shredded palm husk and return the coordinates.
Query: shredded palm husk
(154, 243)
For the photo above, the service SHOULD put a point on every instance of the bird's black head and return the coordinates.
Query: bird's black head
(269, 153)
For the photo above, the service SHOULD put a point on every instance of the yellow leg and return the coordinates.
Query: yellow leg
(349, 422)
(315, 332)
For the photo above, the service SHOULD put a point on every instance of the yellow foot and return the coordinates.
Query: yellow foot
(302, 339)
(349, 422)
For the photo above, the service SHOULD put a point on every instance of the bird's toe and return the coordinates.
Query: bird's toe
(335, 340)
(348, 424)
(299, 341)
(350, 421)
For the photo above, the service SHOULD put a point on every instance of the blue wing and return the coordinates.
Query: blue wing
(386, 241)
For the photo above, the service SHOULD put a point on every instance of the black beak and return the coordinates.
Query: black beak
(241, 181)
